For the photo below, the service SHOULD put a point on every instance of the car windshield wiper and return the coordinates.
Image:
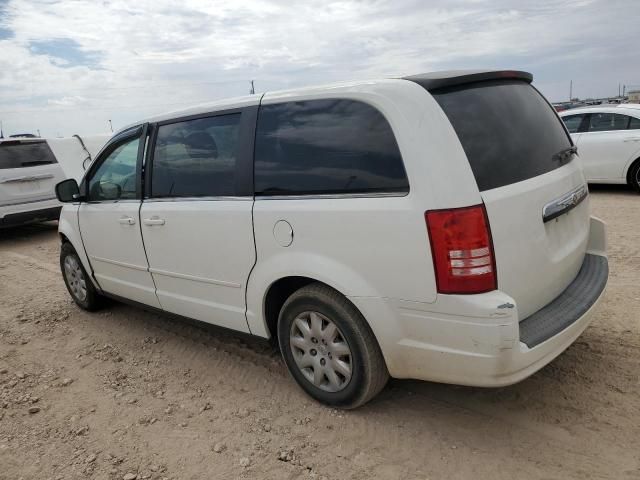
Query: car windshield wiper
(565, 154)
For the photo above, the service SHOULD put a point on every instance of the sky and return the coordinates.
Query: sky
(70, 66)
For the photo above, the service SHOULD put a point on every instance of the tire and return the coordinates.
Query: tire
(316, 353)
(76, 279)
(634, 175)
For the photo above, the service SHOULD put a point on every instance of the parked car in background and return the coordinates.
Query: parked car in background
(30, 167)
(608, 140)
(434, 227)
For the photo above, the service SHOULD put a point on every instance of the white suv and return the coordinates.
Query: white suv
(28, 173)
(433, 227)
(30, 167)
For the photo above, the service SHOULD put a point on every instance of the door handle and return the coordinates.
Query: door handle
(126, 221)
(634, 139)
(153, 221)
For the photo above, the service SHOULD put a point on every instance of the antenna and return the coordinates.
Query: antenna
(1, 134)
(110, 125)
(253, 90)
(570, 89)
(39, 132)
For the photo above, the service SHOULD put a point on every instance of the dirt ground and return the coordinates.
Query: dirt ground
(124, 394)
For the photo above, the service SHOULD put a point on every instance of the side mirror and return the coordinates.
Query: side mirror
(67, 191)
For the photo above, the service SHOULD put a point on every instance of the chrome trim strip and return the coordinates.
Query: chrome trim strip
(193, 278)
(198, 199)
(564, 204)
(27, 178)
(47, 199)
(321, 196)
(119, 264)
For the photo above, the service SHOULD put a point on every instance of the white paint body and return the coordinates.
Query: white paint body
(215, 259)
(72, 157)
(606, 156)
(31, 189)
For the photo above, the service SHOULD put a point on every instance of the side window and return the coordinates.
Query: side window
(601, 122)
(634, 123)
(573, 122)
(326, 146)
(115, 178)
(196, 158)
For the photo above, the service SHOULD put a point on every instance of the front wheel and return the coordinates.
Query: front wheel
(329, 348)
(76, 279)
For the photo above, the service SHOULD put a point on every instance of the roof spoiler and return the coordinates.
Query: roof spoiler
(453, 78)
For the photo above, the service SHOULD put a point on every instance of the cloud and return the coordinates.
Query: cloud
(67, 101)
(129, 60)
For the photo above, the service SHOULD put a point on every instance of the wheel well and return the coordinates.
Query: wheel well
(630, 169)
(278, 293)
(64, 239)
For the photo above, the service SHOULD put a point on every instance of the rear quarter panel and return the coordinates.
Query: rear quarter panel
(376, 246)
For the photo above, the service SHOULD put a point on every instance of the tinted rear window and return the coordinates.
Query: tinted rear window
(196, 158)
(325, 147)
(27, 154)
(507, 129)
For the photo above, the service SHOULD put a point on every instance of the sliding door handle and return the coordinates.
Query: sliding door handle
(153, 221)
(126, 221)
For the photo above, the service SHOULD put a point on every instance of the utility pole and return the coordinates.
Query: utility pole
(570, 90)
(253, 90)
(110, 126)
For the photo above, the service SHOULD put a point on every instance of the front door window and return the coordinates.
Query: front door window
(115, 178)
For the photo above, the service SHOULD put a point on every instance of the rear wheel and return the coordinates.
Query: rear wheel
(634, 175)
(76, 279)
(329, 348)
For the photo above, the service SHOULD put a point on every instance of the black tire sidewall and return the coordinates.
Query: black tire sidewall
(633, 176)
(355, 388)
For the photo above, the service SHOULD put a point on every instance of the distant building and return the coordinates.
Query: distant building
(634, 96)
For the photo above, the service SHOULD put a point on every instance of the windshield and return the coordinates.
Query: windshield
(507, 129)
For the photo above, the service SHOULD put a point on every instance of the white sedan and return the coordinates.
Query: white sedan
(608, 140)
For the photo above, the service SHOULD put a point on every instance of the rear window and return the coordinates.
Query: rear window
(15, 154)
(196, 158)
(332, 146)
(507, 129)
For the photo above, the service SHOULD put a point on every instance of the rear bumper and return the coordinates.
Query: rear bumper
(29, 212)
(477, 340)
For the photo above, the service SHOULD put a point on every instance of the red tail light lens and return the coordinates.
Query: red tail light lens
(462, 250)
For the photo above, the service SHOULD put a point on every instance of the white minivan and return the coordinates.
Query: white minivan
(432, 227)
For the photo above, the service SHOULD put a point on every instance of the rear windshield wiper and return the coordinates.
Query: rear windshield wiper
(565, 154)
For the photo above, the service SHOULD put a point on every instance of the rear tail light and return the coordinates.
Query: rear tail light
(462, 250)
